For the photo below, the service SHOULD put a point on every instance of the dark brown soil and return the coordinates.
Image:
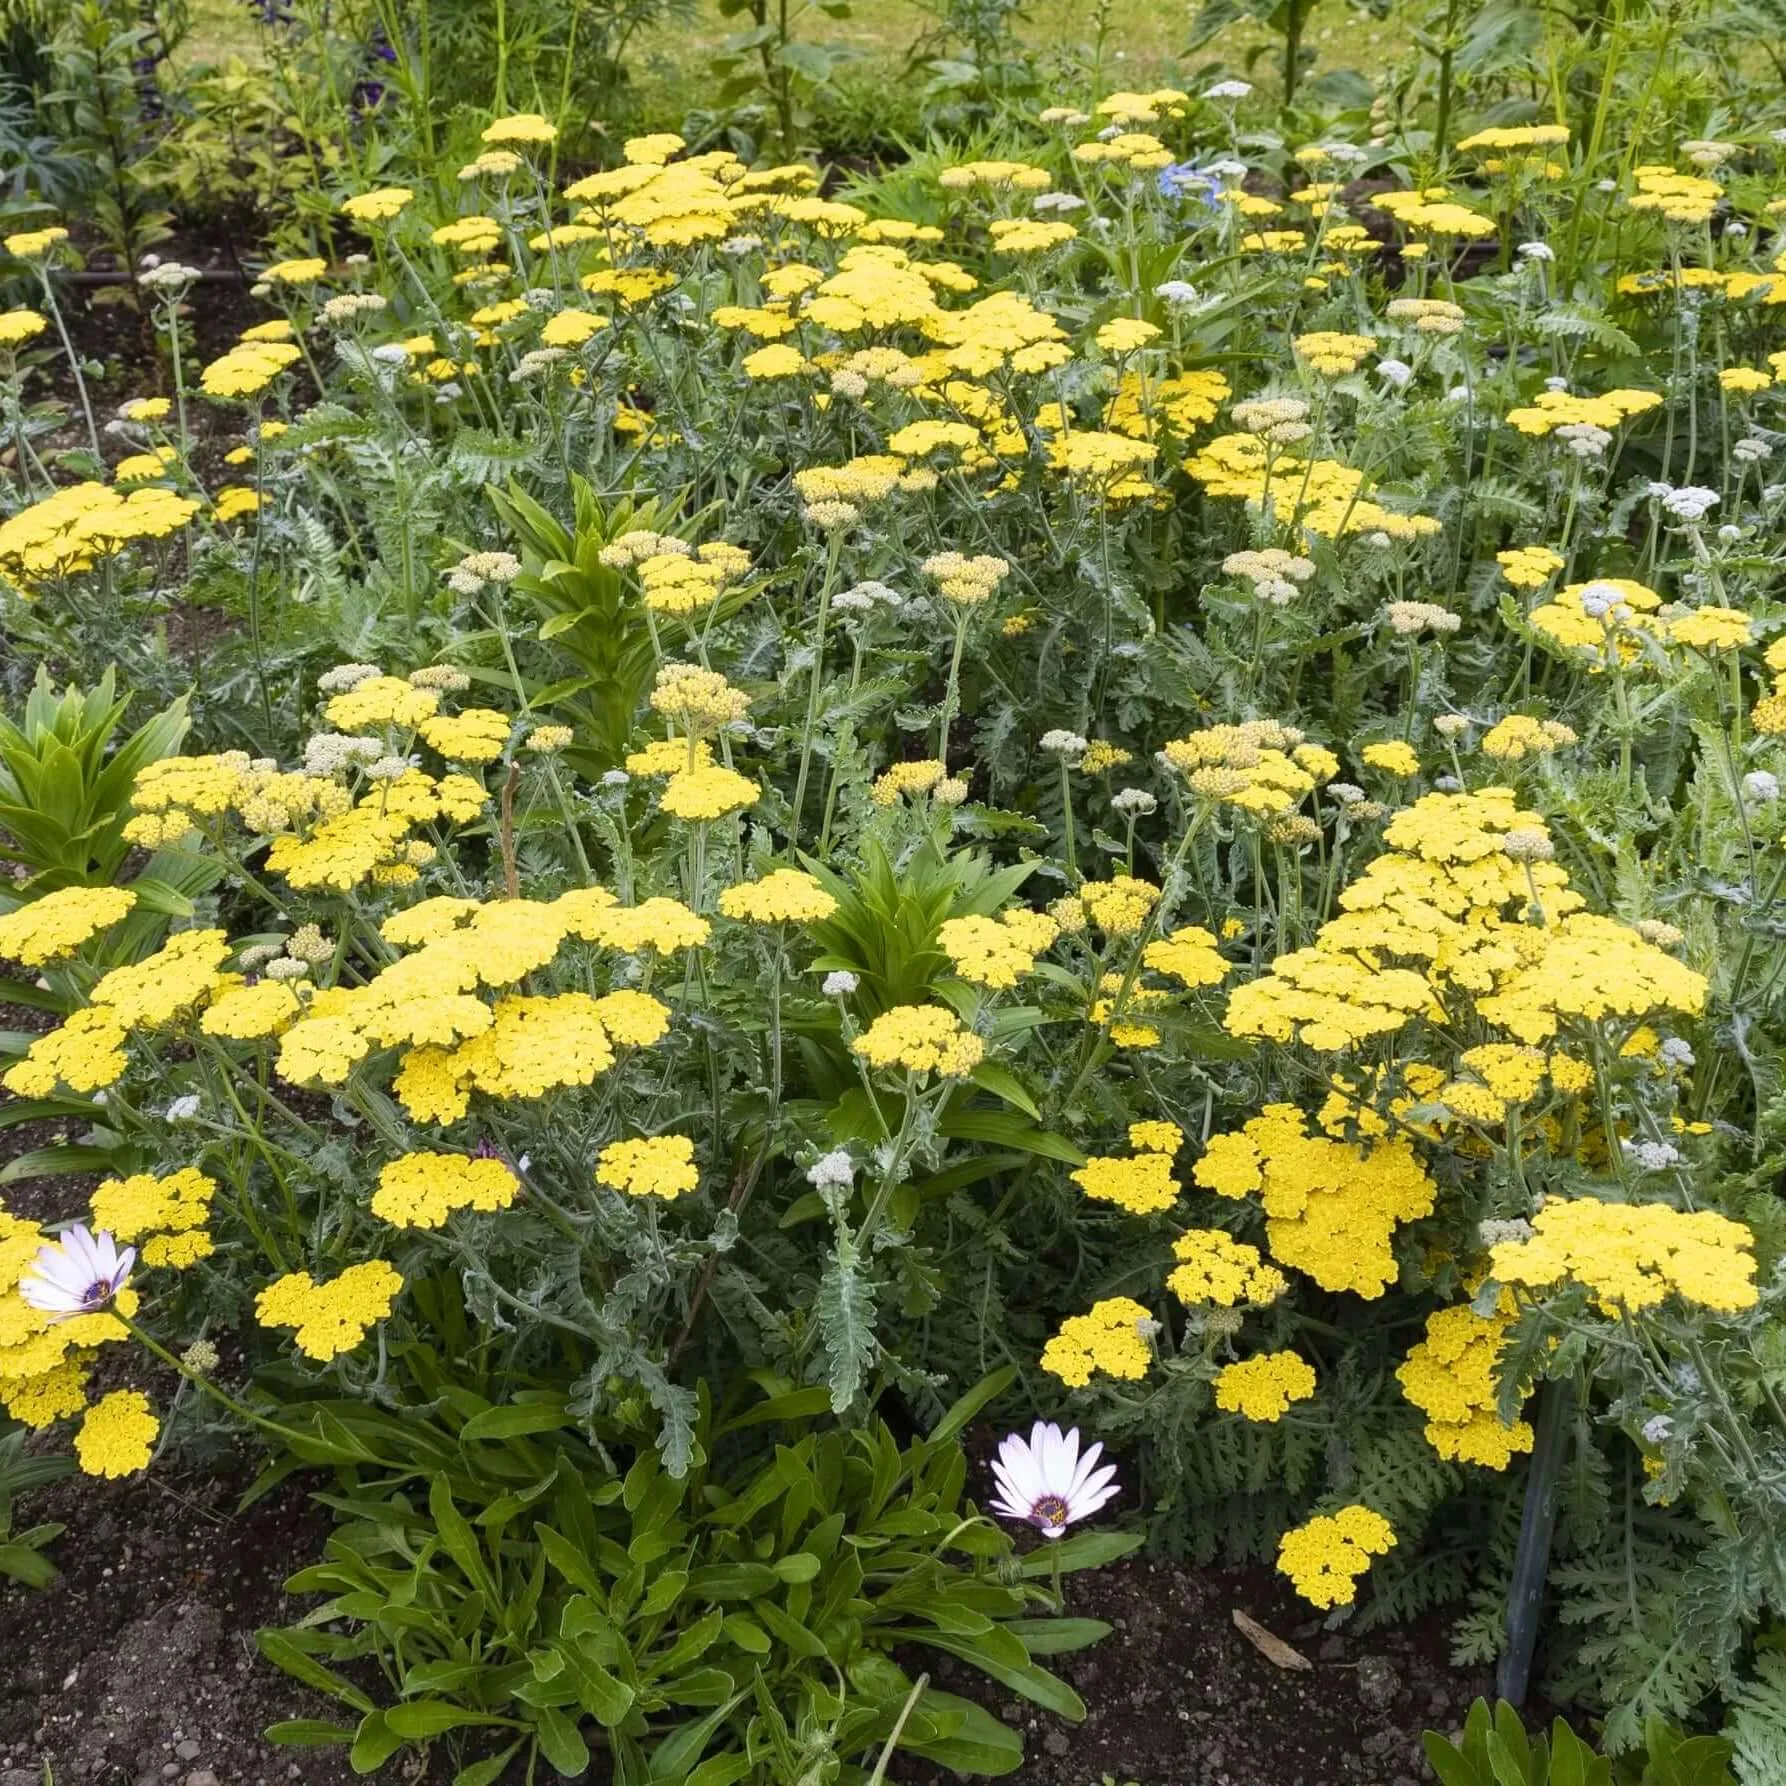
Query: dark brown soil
(138, 1667)
(1176, 1696)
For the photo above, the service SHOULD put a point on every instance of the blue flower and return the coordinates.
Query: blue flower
(1185, 179)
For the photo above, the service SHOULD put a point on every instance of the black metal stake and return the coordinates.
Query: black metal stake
(1531, 1562)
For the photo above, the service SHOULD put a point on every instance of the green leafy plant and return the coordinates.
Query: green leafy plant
(66, 776)
(98, 101)
(588, 612)
(22, 1557)
(769, 64)
(1495, 1749)
(515, 1585)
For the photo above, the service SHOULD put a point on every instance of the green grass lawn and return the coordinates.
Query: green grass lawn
(1144, 41)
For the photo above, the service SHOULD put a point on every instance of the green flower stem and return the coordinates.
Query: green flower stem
(74, 359)
(203, 1383)
(833, 553)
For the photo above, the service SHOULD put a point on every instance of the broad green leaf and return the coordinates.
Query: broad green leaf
(279, 1648)
(1084, 1550)
(307, 1733)
(562, 1743)
(416, 1719)
(517, 1420)
(486, 1772)
(374, 1744)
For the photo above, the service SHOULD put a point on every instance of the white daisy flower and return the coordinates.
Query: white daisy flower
(77, 1274)
(1044, 1481)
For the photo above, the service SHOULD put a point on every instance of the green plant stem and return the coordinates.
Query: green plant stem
(833, 554)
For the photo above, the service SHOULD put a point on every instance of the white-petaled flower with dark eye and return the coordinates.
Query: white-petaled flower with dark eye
(77, 1274)
(1044, 1481)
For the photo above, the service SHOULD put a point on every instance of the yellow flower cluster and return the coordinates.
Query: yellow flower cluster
(249, 1013)
(921, 776)
(1215, 1268)
(1529, 567)
(20, 326)
(1119, 906)
(1518, 136)
(1324, 1558)
(996, 952)
(73, 528)
(520, 1047)
(476, 735)
(1142, 1184)
(1550, 410)
(1156, 1136)
(1257, 766)
(420, 1190)
(1634, 1256)
(1175, 406)
(1113, 1338)
(1590, 968)
(783, 896)
(330, 1318)
(1331, 1208)
(248, 368)
(1263, 1387)
(86, 1052)
(1676, 197)
(377, 206)
(966, 581)
(1519, 736)
(57, 924)
(1450, 1376)
(1452, 895)
(1393, 756)
(702, 701)
(708, 792)
(118, 1435)
(1331, 354)
(171, 1212)
(651, 1166)
(921, 1039)
(1322, 496)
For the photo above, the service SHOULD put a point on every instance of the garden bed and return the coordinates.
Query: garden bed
(139, 1668)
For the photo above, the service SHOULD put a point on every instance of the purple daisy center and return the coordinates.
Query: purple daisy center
(1049, 1510)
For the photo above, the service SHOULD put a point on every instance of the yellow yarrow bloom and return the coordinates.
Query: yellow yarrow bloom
(1262, 1388)
(1324, 1557)
(118, 1435)
(784, 896)
(1143, 1184)
(1113, 1338)
(1451, 1377)
(1634, 1256)
(420, 1190)
(1332, 1208)
(520, 127)
(55, 926)
(1215, 1268)
(377, 206)
(920, 1039)
(651, 1166)
(996, 952)
(330, 1318)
